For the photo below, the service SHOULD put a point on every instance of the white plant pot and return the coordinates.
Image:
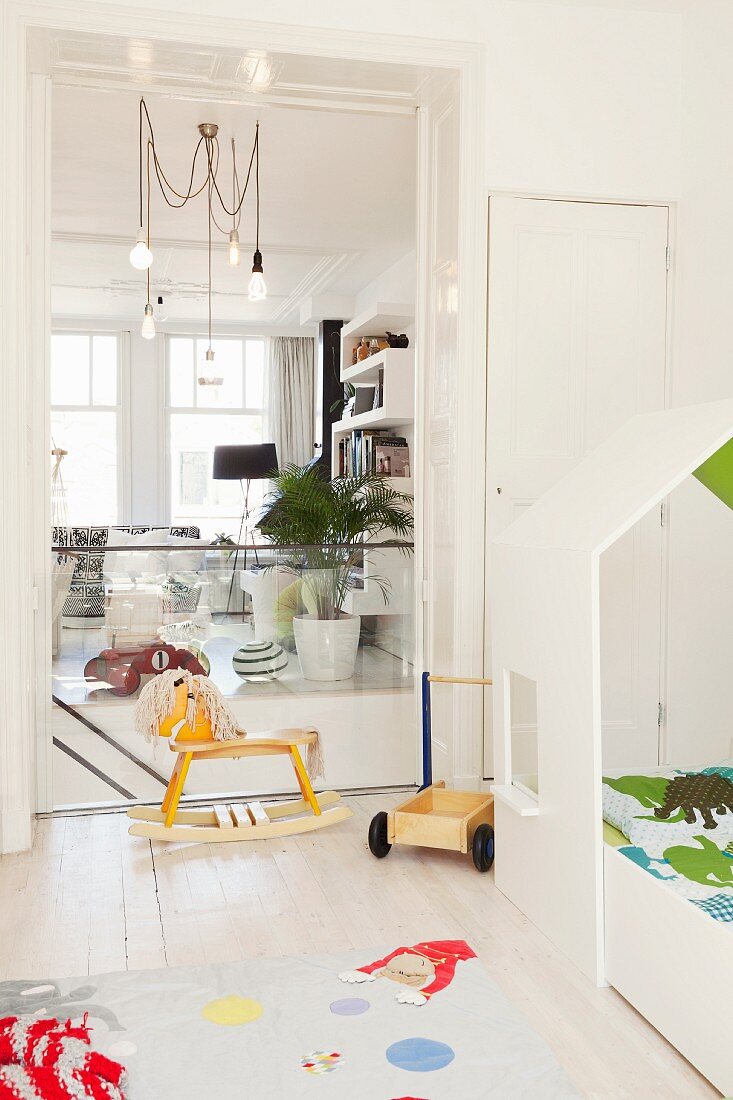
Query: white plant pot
(327, 647)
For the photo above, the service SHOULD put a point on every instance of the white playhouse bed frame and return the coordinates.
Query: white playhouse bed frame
(618, 923)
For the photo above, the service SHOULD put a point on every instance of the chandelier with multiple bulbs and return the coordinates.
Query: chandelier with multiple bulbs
(141, 256)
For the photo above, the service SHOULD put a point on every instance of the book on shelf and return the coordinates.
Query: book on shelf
(370, 450)
(392, 457)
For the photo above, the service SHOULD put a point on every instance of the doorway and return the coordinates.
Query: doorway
(430, 344)
(577, 344)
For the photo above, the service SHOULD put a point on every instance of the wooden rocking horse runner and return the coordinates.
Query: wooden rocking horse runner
(191, 712)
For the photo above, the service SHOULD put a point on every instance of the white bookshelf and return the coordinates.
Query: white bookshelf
(367, 371)
(395, 368)
(392, 316)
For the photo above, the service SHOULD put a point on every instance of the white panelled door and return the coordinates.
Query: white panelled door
(576, 345)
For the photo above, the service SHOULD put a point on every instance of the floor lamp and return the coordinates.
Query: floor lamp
(243, 462)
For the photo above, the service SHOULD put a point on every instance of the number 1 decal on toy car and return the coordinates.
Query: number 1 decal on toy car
(121, 669)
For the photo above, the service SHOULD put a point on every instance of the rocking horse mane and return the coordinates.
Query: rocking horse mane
(158, 699)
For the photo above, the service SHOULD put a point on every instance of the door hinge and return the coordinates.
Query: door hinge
(425, 590)
(36, 599)
(661, 714)
(668, 258)
(662, 514)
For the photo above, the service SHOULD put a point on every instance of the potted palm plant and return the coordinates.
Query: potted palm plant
(321, 527)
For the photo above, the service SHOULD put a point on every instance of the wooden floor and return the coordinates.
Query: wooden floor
(89, 899)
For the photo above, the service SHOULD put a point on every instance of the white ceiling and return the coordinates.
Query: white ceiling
(338, 190)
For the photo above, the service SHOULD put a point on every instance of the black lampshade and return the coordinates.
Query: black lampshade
(244, 462)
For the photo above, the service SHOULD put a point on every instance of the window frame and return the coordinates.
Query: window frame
(121, 409)
(196, 410)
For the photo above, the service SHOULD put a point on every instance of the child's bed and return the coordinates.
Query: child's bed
(668, 899)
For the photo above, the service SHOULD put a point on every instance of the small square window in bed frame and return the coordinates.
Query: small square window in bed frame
(522, 716)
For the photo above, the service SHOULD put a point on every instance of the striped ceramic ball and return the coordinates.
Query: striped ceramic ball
(258, 660)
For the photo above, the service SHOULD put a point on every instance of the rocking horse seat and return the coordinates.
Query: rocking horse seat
(268, 743)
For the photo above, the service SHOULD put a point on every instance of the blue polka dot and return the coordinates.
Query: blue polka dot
(420, 1055)
(349, 1006)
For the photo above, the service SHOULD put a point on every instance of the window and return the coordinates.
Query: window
(202, 417)
(85, 421)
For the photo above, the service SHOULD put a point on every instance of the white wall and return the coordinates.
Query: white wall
(700, 705)
(581, 100)
(396, 284)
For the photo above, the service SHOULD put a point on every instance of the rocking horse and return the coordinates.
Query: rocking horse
(190, 711)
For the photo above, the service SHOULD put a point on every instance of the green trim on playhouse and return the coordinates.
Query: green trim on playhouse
(717, 473)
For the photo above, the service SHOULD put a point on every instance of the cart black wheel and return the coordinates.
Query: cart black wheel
(483, 847)
(379, 846)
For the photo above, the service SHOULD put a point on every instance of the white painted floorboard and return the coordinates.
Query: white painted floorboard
(89, 898)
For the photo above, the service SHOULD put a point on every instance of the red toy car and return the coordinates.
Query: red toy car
(121, 669)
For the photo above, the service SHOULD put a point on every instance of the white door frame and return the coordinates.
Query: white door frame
(24, 298)
(672, 207)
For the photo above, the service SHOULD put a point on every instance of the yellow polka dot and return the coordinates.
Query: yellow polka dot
(232, 1011)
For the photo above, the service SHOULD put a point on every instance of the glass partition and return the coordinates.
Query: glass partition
(290, 636)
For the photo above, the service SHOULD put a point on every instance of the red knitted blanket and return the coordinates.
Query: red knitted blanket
(44, 1059)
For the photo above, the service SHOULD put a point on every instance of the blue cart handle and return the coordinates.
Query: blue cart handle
(427, 740)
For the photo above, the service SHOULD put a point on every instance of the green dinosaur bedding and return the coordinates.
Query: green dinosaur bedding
(679, 828)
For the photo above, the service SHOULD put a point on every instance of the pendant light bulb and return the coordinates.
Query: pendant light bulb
(140, 255)
(234, 248)
(148, 330)
(160, 313)
(257, 286)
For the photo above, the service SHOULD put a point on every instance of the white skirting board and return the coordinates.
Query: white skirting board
(674, 964)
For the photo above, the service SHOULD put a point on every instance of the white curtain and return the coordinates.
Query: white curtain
(291, 398)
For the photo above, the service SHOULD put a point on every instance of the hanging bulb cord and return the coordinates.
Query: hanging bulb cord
(212, 155)
(163, 180)
(169, 192)
(236, 218)
(257, 185)
(209, 220)
(147, 223)
(211, 146)
(213, 169)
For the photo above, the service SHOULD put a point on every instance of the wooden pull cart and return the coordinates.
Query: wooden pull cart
(459, 821)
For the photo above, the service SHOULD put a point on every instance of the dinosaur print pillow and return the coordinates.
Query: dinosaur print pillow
(671, 806)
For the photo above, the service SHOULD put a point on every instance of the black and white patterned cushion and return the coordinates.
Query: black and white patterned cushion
(179, 596)
(86, 591)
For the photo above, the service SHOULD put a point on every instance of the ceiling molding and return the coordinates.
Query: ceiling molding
(66, 237)
(317, 279)
(283, 307)
(209, 93)
(210, 71)
(301, 40)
